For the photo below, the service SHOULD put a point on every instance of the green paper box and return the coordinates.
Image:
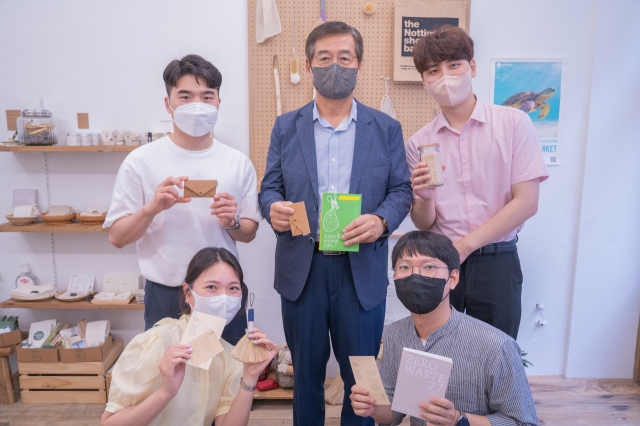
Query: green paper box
(338, 211)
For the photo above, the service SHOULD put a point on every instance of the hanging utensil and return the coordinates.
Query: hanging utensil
(276, 77)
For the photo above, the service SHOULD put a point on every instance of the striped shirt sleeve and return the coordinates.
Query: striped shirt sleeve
(510, 399)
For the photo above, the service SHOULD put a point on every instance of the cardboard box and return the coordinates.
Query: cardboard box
(37, 355)
(87, 354)
(10, 338)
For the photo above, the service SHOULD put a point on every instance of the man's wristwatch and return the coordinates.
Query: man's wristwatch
(236, 224)
(463, 420)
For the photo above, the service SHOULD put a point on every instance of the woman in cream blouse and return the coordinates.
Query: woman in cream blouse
(152, 385)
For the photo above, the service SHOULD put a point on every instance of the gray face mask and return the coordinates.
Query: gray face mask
(335, 81)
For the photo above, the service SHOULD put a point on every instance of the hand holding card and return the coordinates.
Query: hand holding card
(299, 221)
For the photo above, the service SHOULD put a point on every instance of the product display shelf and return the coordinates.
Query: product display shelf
(79, 305)
(67, 383)
(66, 148)
(75, 227)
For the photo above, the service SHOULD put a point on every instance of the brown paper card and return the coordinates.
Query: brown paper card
(205, 347)
(200, 188)
(365, 371)
(83, 120)
(299, 221)
(12, 119)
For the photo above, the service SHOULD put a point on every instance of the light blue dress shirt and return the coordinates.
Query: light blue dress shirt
(334, 152)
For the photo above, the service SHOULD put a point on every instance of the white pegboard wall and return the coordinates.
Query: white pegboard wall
(414, 108)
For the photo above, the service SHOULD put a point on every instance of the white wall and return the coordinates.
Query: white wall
(606, 301)
(108, 60)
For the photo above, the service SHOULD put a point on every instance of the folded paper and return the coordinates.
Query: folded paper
(205, 347)
(365, 371)
(299, 221)
(199, 324)
(200, 188)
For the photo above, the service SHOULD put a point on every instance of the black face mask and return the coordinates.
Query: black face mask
(419, 294)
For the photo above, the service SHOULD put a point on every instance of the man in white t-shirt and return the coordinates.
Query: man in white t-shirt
(148, 206)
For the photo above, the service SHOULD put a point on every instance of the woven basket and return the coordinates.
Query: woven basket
(58, 220)
(20, 221)
(91, 220)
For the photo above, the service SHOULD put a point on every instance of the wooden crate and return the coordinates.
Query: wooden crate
(67, 383)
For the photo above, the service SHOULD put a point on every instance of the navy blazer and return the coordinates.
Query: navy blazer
(379, 172)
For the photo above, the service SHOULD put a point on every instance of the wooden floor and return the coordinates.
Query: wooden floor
(559, 401)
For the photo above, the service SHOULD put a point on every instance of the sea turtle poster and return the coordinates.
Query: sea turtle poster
(535, 87)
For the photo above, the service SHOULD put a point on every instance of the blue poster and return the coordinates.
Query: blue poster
(534, 87)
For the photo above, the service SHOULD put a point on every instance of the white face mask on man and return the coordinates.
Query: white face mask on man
(450, 90)
(223, 306)
(196, 118)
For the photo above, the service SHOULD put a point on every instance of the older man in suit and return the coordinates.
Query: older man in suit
(334, 144)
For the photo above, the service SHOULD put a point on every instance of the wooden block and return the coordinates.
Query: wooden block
(64, 397)
(83, 120)
(12, 119)
(7, 395)
(62, 382)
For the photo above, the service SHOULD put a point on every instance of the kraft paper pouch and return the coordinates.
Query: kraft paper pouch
(200, 188)
(299, 221)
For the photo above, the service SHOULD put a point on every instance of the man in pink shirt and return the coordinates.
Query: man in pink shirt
(494, 167)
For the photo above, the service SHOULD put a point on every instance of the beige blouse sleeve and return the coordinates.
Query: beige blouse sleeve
(232, 375)
(136, 374)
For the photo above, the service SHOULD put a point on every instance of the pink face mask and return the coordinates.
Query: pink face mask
(450, 90)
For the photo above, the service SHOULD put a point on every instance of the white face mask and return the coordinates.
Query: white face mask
(195, 118)
(222, 306)
(450, 90)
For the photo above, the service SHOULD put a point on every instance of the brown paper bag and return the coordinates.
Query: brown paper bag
(200, 188)
(299, 221)
(414, 19)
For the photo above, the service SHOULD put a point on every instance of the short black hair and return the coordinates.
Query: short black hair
(332, 28)
(426, 243)
(203, 260)
(194, 65)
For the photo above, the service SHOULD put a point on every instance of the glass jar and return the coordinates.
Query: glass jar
(96, 140)
(72, 139)
(37, 127)
(430, 154)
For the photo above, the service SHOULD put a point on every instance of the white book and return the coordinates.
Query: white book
(421, 376)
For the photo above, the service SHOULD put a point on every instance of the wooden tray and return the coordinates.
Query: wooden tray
(91, 220)
(72, 299)
(21, 221)
(58, 220)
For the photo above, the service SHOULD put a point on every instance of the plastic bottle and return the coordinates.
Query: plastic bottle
(26, 277)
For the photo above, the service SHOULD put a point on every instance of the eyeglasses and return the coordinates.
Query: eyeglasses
(427, 270)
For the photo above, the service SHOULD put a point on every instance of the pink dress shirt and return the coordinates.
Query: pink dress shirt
(497, 148)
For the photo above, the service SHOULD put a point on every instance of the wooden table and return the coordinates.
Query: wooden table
(9, 390)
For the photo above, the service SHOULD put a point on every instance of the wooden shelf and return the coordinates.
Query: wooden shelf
(280, 393)
(79, 305)
(66, 148)
(43, 227)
